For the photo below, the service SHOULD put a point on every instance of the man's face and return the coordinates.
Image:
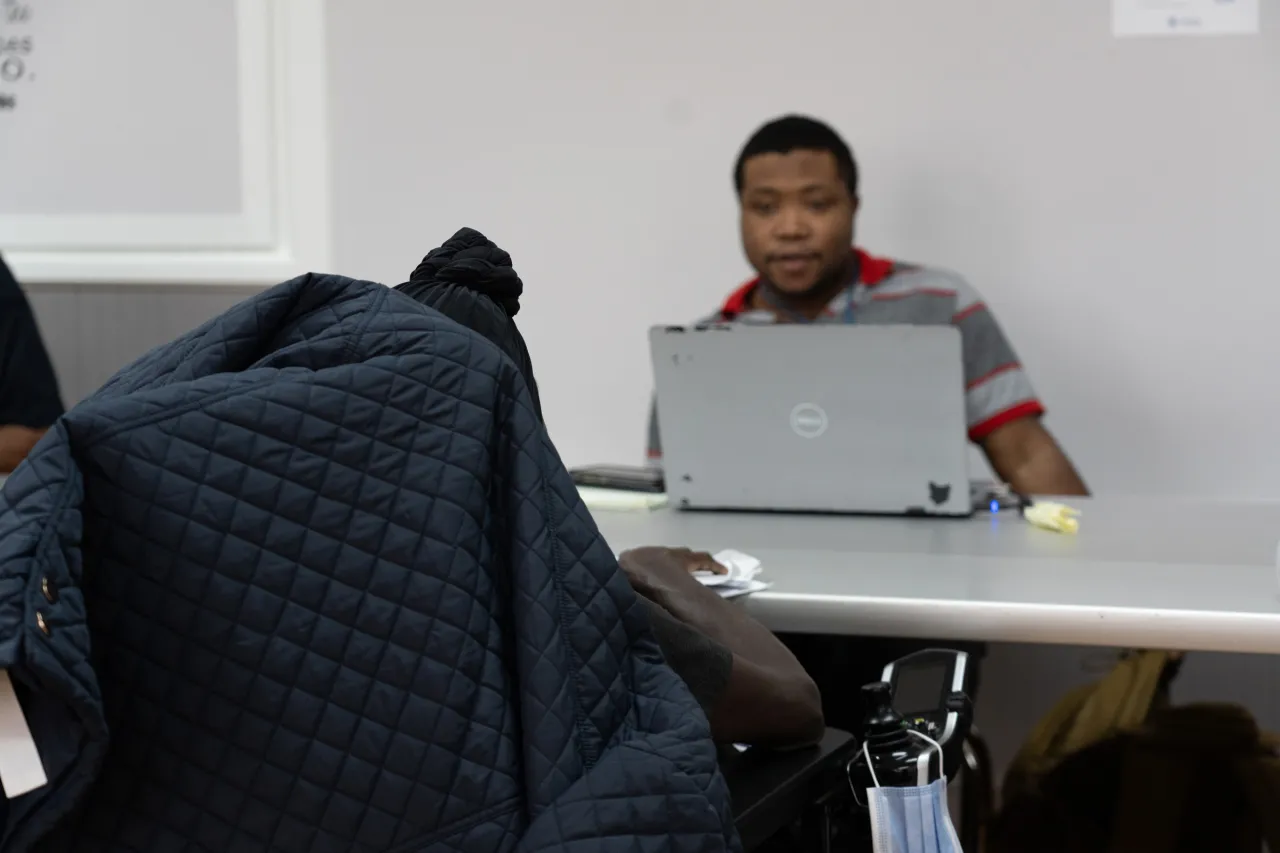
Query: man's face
(797, 219)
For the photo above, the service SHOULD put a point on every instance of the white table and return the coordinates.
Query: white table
(1140, 573)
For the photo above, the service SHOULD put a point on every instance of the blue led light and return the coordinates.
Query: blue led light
(995, 506)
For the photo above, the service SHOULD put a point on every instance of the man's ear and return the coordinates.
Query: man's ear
(857, 203)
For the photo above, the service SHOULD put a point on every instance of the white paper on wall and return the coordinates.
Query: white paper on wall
(1184, 17)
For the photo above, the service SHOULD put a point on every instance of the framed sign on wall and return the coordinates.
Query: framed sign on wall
(153, 141)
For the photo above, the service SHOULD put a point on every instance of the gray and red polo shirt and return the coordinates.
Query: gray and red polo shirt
(887, 292)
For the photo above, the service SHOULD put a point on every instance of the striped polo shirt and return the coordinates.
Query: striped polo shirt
(887, 292)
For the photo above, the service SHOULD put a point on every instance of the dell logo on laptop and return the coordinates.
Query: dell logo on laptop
(808, 420)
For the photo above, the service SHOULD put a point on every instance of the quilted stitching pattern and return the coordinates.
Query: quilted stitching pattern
(338, 593)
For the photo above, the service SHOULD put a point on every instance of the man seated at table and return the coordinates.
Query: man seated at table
(29, 400)
(797, 185)
(751, 687)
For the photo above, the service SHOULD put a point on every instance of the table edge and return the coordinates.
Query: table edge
(1012, 622)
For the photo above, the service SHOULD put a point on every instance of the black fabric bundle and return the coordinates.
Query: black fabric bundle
(471, 281)
(28, 387)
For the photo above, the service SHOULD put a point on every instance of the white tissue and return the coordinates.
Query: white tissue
(739, 580)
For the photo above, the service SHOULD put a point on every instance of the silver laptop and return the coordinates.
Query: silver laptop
(813, 418)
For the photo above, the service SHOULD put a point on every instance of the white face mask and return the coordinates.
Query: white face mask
(912, 820)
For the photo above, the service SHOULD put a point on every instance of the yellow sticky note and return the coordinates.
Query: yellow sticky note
(1057, 517)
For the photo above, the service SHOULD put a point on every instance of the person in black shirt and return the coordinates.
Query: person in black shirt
(752, 689)
(29, 399)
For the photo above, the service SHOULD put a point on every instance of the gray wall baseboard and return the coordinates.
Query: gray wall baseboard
(91, 331)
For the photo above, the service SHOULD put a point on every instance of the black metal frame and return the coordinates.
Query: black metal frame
(794, 793)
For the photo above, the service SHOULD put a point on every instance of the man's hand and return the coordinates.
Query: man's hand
(659, 572)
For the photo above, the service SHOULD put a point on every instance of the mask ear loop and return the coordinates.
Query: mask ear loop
(848, 771)
(942, 771)
(866, 758)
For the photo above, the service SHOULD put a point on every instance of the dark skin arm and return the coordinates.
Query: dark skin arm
(770, 699)
(15, 443)
(1024, 455)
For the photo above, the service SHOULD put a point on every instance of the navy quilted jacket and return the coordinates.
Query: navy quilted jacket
(313, 578)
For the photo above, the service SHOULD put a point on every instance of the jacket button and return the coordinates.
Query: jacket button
(50, 591)
(41, 624)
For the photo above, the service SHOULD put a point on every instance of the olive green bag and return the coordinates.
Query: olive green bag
(1114, 768)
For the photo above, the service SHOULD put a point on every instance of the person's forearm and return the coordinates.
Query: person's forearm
(1024, 455)
(1048, 472)
(729, 625)
(15, 443)
(785, 702)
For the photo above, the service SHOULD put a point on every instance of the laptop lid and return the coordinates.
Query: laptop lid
(825, 418)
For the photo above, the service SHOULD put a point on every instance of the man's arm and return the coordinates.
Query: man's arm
(1002, 408)
(768, 699)
(1024, 455)
(15, 443)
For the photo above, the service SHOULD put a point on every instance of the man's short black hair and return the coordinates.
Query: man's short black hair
(798, 133)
